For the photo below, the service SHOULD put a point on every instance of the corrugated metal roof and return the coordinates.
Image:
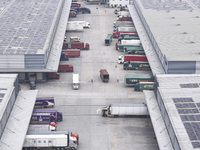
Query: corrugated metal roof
(182, 106)
(18, 122)
(162, 136)
(150, 52)
(175, 27)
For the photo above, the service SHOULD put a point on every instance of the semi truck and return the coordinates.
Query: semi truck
(72, 52)
(123, 18)
(84, 24)
(55, 113)
(122, 23)
(108, 39)
(123, 13)
(144, 86)
(75, 39)
(83, 10)
(44, 102)
(121, 47)
(50, 127)
(128, 58)
(65, 68)
(51, 139)
(104, 75)
(53, 75)
(64, 56)
(132, 79)
(136, 65)
(76, 45)
(96, 1)
(116, 34)
(42, 118)
(76, 82)
(127, 37)
(114, 110)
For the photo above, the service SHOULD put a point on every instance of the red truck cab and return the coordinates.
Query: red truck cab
(65, 68)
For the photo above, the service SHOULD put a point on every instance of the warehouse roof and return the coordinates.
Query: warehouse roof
(18, 122)
(32, 31)
(161, 133)
(150, 52)
(178, 97)
(174, 26)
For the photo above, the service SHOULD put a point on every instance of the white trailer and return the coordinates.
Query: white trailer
(76, 83)
(50, 127)
(131, 42)
(50, 139)
(74, 27)
(126, 29)
(114, 110)
(84, 24)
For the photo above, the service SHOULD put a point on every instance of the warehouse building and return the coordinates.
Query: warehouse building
(16, 107)
(173, 29)
(31, 36)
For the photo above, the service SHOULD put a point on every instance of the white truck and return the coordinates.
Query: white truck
(126, 29)
(131, 42)
(115, 110)
(77, 25)
(76, 83)
(50, 139)
(37, 127)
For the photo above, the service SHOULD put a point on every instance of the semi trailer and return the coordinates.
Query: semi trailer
(44, 102)
(55, 113)
(49, 127)
(121, 47)
(116, 34)
(76, 45)
(128, 58)
(65, 68)
(114, 110)
(42, 118)
(123, 18)
(51, 139)
(136, 65)
(53, 75)
(144, 86)
(132, 79)
(72, 52)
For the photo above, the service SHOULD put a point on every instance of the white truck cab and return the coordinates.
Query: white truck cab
(121, 59)
(76, 83)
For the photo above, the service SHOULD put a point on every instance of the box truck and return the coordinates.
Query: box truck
(123, 18)
(108, 39)
(55, 113)
(76, 82)
(104, 75)
(132, 79)
(136, 65)
(51, 139)
(83, 24)
(114, 110)
(44, 102)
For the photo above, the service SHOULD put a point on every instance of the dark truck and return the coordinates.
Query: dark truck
(108, 39)
(83, 10)
(55, 113)
(42, 118)
(104, 75)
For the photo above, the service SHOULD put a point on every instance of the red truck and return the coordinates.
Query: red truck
(53, 75)
(122, 18)
(72, 52)
(104, 75)
(76, 45)
(65, 68)
(135, 58)
(116, 34)
(64, 56)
